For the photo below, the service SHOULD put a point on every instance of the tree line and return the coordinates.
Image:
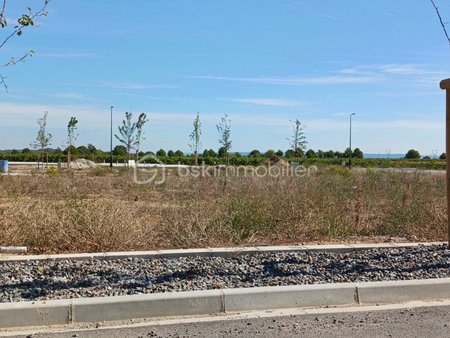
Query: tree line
(131, 133)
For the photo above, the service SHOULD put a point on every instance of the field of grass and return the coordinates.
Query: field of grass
(104, 210)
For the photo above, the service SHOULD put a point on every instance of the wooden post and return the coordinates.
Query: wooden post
(445, 84)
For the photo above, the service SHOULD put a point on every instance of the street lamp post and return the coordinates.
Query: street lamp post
(110, 142)
(350, 152)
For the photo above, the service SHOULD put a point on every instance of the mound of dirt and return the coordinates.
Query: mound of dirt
(276, 161)
(81, 163)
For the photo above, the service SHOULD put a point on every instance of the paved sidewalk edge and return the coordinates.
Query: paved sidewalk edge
(92, 310)
(212, 252)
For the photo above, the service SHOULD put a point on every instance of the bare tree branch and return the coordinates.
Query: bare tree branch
(441, 21)
(13, 61)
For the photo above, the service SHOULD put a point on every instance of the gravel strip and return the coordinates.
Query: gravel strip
(44, 280)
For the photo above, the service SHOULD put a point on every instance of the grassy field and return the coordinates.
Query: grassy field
(102, 210)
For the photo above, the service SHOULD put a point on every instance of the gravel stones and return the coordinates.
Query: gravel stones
(44, 280)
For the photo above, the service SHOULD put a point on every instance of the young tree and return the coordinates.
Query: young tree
(43, 139)
(71, 137)
(142, 120)
(297, 141)
(224, 129)
(195, 137)
(131, 133)
(26, 20)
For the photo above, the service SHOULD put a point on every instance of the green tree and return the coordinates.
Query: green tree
(279, 153)
(224, 129)
(329, 154)
(311, 154)
(83, 151)
(347, 153)
(92, 151)
(24, 21)
(58, 152)
(412, 154)
(290, 153)
(179, 153)
(357, 153)
(91, 148)
(443, 156)
(120, 150)
(71, 137)
(270, 153)
(222, 152)
(70, 150)
(255, 153)
(195, 137)
(171, 153)
(297, 141)
(161, 153)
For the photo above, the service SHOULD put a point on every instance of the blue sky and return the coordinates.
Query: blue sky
(263, 62)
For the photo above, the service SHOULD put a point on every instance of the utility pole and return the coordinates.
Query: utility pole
(110, 142)
(350, 145)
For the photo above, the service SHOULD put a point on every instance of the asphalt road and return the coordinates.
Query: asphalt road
(429, 321)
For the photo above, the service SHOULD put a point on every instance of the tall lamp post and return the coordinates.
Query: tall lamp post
(110, 142)
(350, 153)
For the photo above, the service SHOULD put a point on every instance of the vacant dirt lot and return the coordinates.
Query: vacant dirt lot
(102, 210)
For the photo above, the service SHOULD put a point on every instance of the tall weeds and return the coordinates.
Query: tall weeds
(107, 212)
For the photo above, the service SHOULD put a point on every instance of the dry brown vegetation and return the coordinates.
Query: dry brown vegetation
(104, 211)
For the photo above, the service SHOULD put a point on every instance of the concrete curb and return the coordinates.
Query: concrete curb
(92, 310)
(13, 250)
(212, 252)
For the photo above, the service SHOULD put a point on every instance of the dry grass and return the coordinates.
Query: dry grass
(102, 211)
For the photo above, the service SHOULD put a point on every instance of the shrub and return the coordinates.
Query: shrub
(412, 154)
